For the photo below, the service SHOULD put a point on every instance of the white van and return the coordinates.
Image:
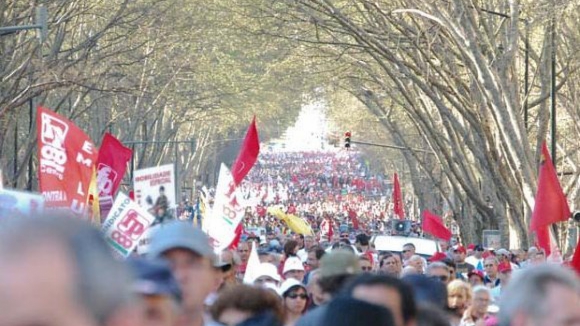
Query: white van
(393, 243)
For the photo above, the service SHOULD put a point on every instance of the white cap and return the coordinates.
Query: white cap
(293, 264)
(267, 269)
(289, 283)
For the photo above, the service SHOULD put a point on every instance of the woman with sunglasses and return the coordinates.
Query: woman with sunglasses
(294, 300)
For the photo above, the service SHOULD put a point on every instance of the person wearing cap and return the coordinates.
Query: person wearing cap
(191, 258)
(159, 291)
(477, 258)
(336, 269)
(268, 274)
(293, 268)
(475, 277)
(504, 255)
(295, 300)
(505, 273)
(462, 268)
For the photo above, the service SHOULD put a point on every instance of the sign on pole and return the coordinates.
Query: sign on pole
(155, 188)
(125, 225)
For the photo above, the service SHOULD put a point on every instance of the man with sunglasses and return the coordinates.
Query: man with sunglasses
(408, 252)
(439, 271)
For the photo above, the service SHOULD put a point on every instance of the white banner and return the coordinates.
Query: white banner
(155, 188)
(125, 225)
(227, 212)
(19, 203)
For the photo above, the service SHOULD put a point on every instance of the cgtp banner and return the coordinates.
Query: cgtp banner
(226, 213)
(67, 157)
(155, 187)
(125, 225)
(19, 203)
(111, 166)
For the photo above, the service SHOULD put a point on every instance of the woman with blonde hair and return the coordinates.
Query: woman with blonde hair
(458, 299)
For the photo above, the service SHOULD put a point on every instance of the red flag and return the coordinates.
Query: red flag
(237, 238)
(397, 198)
(66, 160)
(543, 240)
(353, 219)
(248, 154)
(111, 166)
(575, 263)
(433, 225)
(551, 205)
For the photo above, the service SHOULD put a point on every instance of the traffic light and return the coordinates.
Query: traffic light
(347, 139)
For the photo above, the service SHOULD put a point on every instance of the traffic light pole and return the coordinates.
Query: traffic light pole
(393, 147)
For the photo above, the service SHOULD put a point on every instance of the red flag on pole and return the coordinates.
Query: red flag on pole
(111, 166)
(432, 224)
(575, 263)
(397, 198)
(248, 154)
(66, 160)
(551, 205)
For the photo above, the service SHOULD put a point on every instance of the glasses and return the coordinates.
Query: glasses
(366, 269)
(406, 250)
(302, 296)
(488, 265)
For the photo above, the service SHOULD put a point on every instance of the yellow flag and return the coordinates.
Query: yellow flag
(295, 223)
(93, 201)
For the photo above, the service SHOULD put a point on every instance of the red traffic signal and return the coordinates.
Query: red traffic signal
(347, 139)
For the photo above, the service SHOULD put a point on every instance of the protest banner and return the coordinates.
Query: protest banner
(226, 213)
(111, 166)
(66, 160)
(19, 203)
(125, 225)
(155, 188)
(145, 241)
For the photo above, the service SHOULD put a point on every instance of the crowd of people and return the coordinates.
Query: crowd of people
(60, 271)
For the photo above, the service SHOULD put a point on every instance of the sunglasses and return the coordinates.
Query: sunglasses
(489, 265)
(366, 269)
(303, 296)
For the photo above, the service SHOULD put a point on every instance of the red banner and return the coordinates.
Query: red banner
(111, 166)
(248, 154)
(433, 225)
(397, 198)
(66, 160)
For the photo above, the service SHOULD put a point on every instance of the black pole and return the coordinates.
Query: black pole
(526, 75)
(553, 92)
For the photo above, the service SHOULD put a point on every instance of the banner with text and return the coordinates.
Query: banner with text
(226, 213)
(66, 160)
(111, 166)
(125, 225)
(19, 203)
(155, 188)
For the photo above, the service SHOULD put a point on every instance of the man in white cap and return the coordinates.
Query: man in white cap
(268, 274)
(293, 268)
(191, 259)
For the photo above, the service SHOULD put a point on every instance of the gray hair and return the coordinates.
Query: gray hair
(436, 265)
(481, 288)
(528, 289)
(102, 285)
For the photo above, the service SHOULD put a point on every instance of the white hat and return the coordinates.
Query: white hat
(267, 269)
(288, 284)
(293, 264)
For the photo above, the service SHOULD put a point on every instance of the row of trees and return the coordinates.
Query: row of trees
(468, 80)
(145, 71)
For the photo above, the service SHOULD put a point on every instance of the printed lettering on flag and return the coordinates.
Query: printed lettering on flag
(125, 225)
(111, 166)
(226, 213)
(66, 160)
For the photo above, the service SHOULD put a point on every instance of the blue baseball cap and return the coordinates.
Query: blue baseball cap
(153, 277)
(178, 234)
